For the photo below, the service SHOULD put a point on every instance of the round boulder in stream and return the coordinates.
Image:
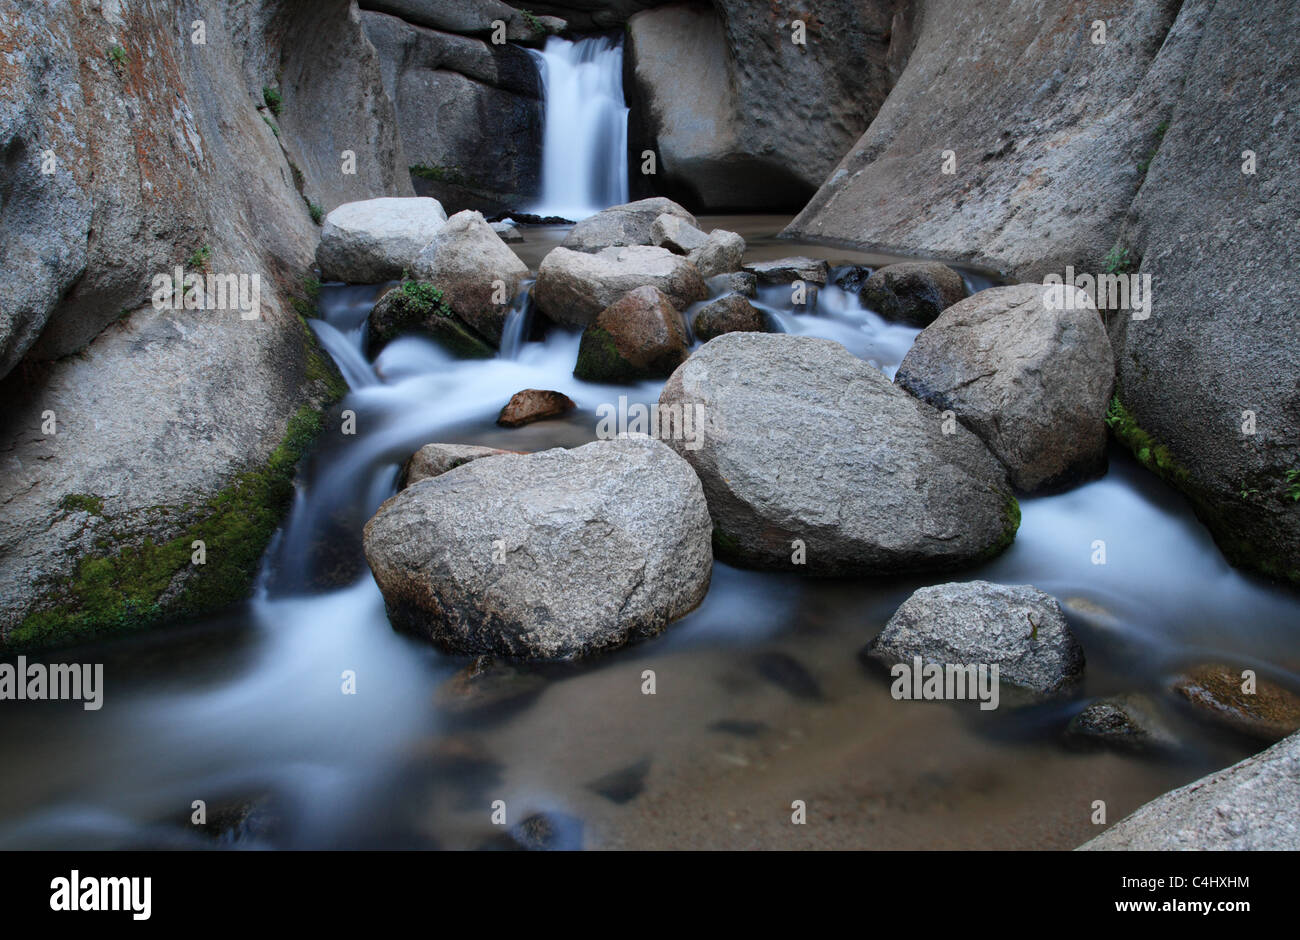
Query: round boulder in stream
(639, 336)
(553, 555)
(476, 271)
(914, 292)
(1017, 628)
(1029, 369)
(573, 287)
(814, 462)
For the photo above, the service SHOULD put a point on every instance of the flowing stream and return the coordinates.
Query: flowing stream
(584, 137)
(761, 698)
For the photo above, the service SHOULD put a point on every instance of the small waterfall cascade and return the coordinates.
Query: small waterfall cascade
(584, 139)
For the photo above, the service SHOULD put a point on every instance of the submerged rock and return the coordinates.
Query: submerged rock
(534, 404)
(1250, 806)
(618, 226)
(730, 313)
(640, 336)
(475, 270)
(1128, 722)
(432, 460)
(622, 785)
(788, 270)
(573, 287)
(913, 292)
(486, 690)
(419, 307)
(1016, 627)
(1269, 713)
(1031, 379)
(376, 240)
(807, 454)
(554, 555)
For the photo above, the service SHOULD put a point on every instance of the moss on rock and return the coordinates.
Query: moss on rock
(128, 589)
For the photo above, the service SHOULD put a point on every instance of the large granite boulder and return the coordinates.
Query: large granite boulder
(476, 271)
(1029, 369)
(1250, 806)
(376, 240)
(553, 555)
(573, 287)
(131, 431)
(803, 443)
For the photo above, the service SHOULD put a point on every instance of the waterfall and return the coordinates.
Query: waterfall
(584, 139)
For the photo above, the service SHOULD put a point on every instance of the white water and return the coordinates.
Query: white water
(584, 142)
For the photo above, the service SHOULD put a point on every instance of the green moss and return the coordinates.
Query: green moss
(1010, 526)
(419, 307)
(1293, 485)
(269, 123)
(1153, 455)
(1117, 261)
(273, 100)
(198, 261)
(123, 591)
(599, 359)
(536, 25)
(445, 174)
(317, 213)
(305, 302)
(83, 502)
(117, 58)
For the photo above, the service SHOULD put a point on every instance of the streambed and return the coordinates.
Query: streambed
(760, 697)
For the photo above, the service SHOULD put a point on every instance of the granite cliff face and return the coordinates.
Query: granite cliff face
(1126, 156)
(138, 138)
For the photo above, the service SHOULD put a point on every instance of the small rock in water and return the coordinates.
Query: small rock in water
(851, 279)
(914, 292)
(622, 786)
(1016, 627)
(788, 270)
(733, 282)
(789, 674)
(508, 232)
(432, 460)
(534, 404)
(487, 690)
(731, 313)
(549, 832)
(1270, 713)
(1128, 722)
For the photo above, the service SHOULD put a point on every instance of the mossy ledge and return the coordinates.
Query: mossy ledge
(1153, 455)
(130, 589)
(1225, 523)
